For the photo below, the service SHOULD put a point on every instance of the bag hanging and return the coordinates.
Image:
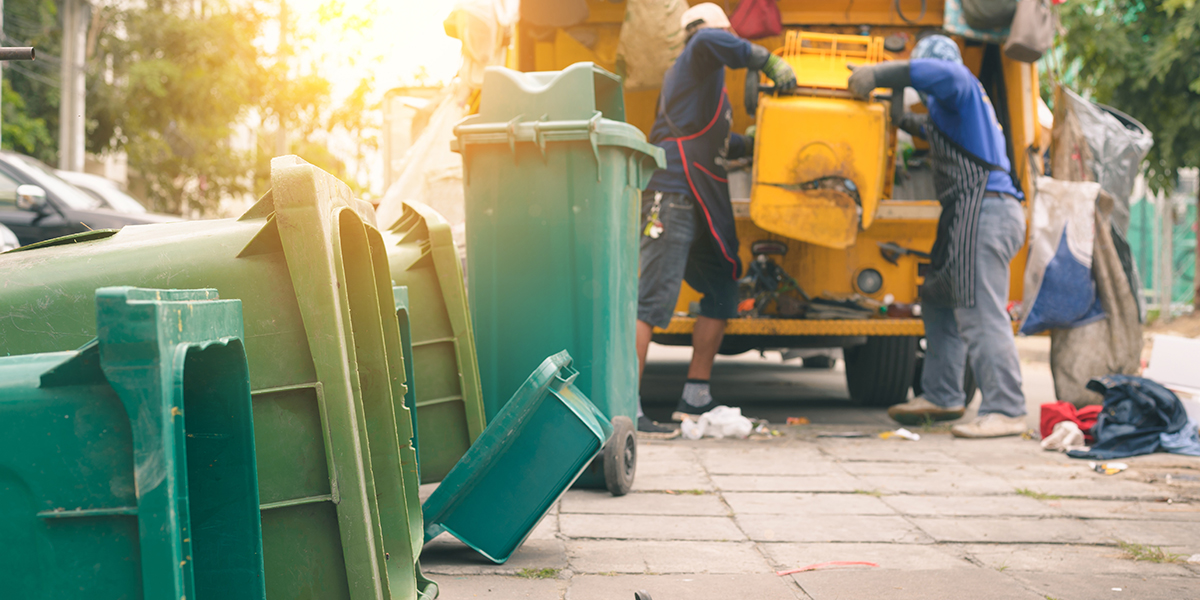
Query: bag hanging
(1032, 31)
(989, 14)
(754, 19)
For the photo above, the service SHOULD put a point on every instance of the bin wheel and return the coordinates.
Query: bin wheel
(620, 456)
(642, 595)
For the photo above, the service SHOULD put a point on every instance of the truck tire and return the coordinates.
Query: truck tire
(880, 372)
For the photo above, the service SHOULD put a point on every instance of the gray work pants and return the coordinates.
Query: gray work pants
(983, 332)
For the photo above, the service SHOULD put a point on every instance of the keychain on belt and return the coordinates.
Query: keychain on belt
(654, 225)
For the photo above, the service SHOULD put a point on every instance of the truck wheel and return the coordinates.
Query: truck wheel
(620, 456)
(880, 371)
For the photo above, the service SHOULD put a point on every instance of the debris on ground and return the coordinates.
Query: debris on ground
(720, 422)
(1108, 468)
(827, 565)
(901, 433)
(797, 421)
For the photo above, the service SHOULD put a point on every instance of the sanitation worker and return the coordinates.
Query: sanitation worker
(688, 231)
(981, 227)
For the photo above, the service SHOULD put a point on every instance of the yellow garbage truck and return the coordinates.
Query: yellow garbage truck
(836, 204)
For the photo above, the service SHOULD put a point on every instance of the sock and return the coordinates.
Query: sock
(696, 393)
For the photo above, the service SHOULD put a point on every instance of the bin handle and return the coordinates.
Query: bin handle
(594, 137)
(512, 135)
(538, 137)
(560, 381)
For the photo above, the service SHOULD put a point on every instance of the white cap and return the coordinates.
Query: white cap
(710, 15)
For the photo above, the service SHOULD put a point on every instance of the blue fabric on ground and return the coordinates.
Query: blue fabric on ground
(1067, 297)
(1137, 412)
(1186, 441)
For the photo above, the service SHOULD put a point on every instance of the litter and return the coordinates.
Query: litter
(720, 422)
(827, 565)
(901, 433)
(1110, 468)
(797, 421)
(1065, 436)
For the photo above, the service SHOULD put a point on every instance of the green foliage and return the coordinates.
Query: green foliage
(1142, 57)
(23, 132)
(1154, 554)
(30, 111)
(1036, 495)
(546, 573)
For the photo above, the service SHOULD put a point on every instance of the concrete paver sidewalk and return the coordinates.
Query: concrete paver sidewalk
(1041, 526)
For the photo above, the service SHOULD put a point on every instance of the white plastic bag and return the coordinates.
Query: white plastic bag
(651, 39)
(720, 422)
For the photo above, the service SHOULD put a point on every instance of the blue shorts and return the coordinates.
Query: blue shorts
(684, 251)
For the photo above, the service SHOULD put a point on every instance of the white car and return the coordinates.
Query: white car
(8, 239)
(104, 190)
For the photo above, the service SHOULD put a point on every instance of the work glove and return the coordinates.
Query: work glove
(889, 74)
(781, 73)
(749, 135)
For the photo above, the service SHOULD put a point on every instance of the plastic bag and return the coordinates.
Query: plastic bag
(720, 422)
(651, 39)
(754, 19)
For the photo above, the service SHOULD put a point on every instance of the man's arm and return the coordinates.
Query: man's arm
(715, 49)
(948, 83)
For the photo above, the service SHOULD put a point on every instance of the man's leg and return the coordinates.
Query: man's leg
(711, 275)
(942, 375)
(706, 340)
(663, 260)
(987, 328)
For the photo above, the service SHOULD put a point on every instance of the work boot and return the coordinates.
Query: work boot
(918, 411)
(991, 425)
(650, 429)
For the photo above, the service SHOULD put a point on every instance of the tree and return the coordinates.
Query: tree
(1142, 57)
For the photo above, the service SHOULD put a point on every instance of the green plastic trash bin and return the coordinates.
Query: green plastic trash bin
(552, 178)
(449, 403)
(127, 467)
(533, 450)
(337, 471)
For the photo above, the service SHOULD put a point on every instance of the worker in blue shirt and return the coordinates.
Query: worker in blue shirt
(688, 231)
(982, 226)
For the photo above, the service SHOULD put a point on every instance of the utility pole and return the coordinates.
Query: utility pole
(281, 141)
(72, 107)
(1166, 257)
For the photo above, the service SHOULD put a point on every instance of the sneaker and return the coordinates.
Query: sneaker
(650, 429)
(683, 410)
(991, 425)
(919, 410)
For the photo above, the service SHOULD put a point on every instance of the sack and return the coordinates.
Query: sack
(753, 19)
(651, 39)
(989, 14)
(1032, 31)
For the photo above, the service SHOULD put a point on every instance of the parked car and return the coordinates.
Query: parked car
(104, 190)
(38, 205)
(8, 239)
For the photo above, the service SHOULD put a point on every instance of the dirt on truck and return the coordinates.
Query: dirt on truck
(836, 212)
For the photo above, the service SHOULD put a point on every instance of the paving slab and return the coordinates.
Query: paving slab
(447, 555)
(664, 557)
(1119, 509)
(935, 483)
(971, 506)
(1101, 489)
(830, 528)
(642, 503)
(649, 482)
(909, 469)
(691, 587)
(498, 587)
(783, 503)
(1153, 533)
(766, 461)
(649, 527)
(788, 483)
(1095, 585)
(1068, 558)
(1009, 530)
(904, 557)
(882, 451)
(975, 583)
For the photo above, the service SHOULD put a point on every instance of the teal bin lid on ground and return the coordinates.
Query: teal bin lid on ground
(127, 467)
(530, 453)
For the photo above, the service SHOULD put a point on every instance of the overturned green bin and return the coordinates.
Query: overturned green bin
(552, 177)
(337, 471)
(127, 467)
(448, 399)
(531, 452)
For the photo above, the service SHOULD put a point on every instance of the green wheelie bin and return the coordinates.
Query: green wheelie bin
(449, 402)
(552, 177)
(127, 466)
(337, 473)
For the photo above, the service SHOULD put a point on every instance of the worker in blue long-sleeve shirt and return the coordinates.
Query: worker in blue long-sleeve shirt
(982, 226)
(688, 231)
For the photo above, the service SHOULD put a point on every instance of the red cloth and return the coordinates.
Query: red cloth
(754, 19)
(1056, 412)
